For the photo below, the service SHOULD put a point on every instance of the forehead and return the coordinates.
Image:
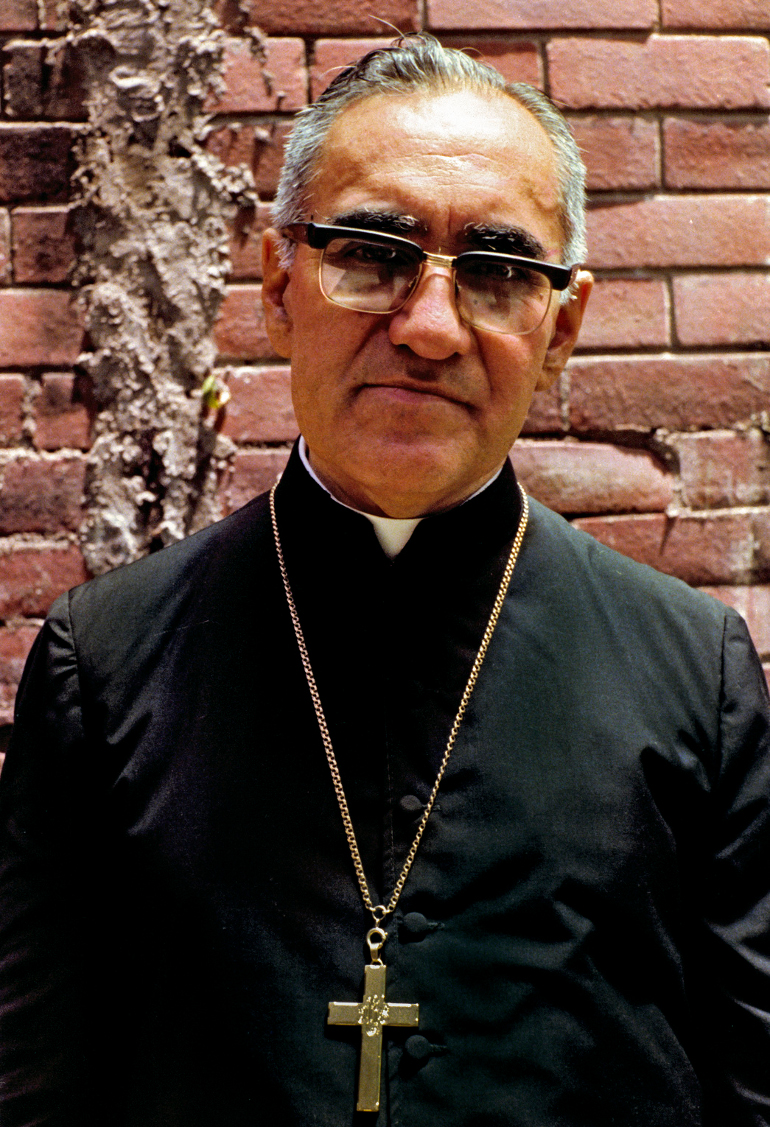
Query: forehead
(449, 160)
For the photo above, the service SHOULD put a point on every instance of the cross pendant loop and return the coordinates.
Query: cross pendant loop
(376, 944)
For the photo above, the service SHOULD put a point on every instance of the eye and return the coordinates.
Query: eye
(497, 269)
(359, 252)
(494, 268)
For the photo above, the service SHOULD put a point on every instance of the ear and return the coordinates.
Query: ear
(569, 318)
(276, 278)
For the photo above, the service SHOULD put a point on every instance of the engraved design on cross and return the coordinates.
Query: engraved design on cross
(374, 1013)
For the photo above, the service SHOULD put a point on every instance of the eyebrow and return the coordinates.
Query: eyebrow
(504, 239)
(389, 222)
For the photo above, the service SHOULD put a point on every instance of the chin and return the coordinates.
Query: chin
(409, 471)
(417, 459)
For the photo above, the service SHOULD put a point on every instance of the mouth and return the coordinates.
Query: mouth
(412, 393)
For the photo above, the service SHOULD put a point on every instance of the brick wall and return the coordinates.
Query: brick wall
(657, 440)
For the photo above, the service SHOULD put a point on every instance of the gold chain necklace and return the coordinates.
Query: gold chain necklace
(374, 1012)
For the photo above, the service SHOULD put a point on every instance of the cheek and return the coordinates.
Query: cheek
(318, 379)
(513, 366)
(332, 348)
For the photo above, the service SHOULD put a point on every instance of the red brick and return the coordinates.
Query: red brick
(753, 603)
(23, 80)
(18, 15)
(253, 471)
(15, 644)
(231, 15)
(681, 231)
(246, 243)
(640, 393)
(268, 159)
(239, 330)
(705, 550)
(7, 713)
(761, 543)
(62, 417)
(41, 495)
(64, 90)
(32, 15)
(35, 162)
(321, 17)
(43, 80)
(260, 408)
(38, 327)
(5, 247)
(726, 72)
(620, 152)
(235, 144)
(43, 245)
(31, 578)
(722, 308)
(52, 15)
(256, 82)
(591, 477)
(717, 154)
(12, 390)
(529, 14)
(753, 15)
(626, 314)
(517, 60)
(723, 469)
(545, 413)
(259, 148)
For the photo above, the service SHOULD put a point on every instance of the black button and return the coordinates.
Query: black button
(418, 1048)
(411, 804)
(416, 924)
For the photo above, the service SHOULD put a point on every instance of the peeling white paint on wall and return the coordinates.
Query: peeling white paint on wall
(150, 217)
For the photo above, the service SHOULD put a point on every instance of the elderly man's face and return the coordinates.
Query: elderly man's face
(410, 412)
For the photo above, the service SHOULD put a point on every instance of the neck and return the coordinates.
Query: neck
(396, 507)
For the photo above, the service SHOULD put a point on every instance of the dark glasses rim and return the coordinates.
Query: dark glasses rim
(319, 235)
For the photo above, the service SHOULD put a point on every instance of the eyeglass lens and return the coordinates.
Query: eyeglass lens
(376, 276)
(491, 291)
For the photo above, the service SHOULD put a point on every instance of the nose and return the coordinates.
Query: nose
(429, 323)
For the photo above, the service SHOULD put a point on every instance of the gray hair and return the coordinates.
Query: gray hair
(420, 63)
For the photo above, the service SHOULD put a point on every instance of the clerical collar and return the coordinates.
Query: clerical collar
(392, 532)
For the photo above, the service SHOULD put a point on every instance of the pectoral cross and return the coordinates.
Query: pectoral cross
(372, 1014)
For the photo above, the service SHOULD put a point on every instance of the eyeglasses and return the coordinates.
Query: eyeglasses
(373, 272)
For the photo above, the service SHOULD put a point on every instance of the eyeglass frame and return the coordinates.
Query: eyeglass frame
(319, 235)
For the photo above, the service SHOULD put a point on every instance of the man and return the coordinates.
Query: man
(528, 787)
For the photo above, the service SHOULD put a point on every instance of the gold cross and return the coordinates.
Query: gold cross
(372, 1014)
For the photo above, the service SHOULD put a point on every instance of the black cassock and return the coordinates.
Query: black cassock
(586, 926)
